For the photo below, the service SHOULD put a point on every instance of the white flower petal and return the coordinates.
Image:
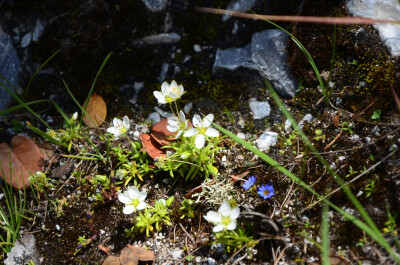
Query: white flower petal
(191, 132)
(141, 206)
(172, 128)
(207, 120)
(225, 209)
(218, 228)
(211, 132)
(117, 122)
(213, 217)
(129, 209)
(133, 192)
(235, 213)
(173, 84)
(199, 141)
(197, 120)
(182, 116)
(231, 226)
(124, 198)
(179, 133)
(142, 195)
(164, 87)
(126, 122)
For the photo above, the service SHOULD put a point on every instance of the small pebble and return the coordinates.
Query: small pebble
(57, 227)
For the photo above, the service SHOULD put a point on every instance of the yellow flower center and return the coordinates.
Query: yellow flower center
(266, 192)
(226, 220)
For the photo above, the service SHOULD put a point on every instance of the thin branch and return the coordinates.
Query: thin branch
(299, 19)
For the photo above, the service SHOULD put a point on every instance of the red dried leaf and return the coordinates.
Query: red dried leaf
(151, 146)
(161, 134)
(25, 158)
(142, 253)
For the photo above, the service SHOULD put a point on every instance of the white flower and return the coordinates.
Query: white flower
(169, 93)
(120, 127)
(74, 116)
(177, 124)
(121, 173)
(225, 218)
(133, 199)
(201, 130)
(53, 134)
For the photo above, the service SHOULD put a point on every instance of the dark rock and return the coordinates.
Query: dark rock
(239, 6)
(163, 38)
(23, 251)
(267, 54)
(9, 67)
(155, 5)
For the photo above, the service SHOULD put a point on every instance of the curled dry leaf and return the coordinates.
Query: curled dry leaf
(161, 134)
(112, 260)
(24, 157)
(104, 249)
(128, 257)
(142, 253)
(97, 110)
(151, 146)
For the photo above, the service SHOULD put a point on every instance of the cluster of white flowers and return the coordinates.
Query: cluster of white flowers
(172, 92)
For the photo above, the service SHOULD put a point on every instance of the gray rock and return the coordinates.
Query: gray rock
(154, 117)
(260, 109)
(164, 70)
(38, 30)
(163, 38)
(23, 251)
(26, 40)
(307, 118)
(266, 140)
(378, 9)
(267, 54)
(155, 5)
(168, 22)
(239, 6)
(10, 67)
(188, 107)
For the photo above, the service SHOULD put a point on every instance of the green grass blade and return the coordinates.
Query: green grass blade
(20, 106)
(305, 139)
(20, 101)
(377, 236)
(94, 83)
(37, 71)
(46, 136)
(325, 235)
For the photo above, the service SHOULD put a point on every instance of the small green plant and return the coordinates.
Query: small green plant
(11, 215)
(376, 115)
(346, 126)
(236, 239)
(153, 217)
(40, 183)
(371, 186)
(187, 208)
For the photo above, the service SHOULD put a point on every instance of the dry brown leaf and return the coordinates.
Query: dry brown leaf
(142, 253)
(112, 260)
(151, 146)
(128, 257)
(161, 134)
(97, 110)
(25, 157)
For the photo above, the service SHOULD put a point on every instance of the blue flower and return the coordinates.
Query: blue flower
(266, 191)
(249, 183)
